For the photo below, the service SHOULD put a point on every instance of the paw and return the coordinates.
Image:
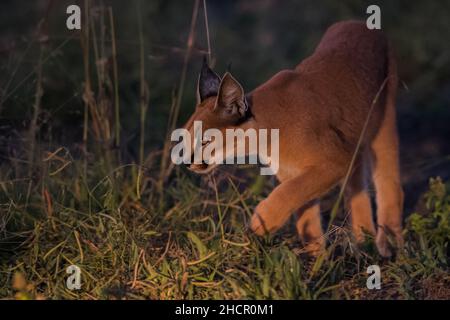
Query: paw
(383, 245)
(264, 220)
(362, 233)
(315, 247)
(388, 240)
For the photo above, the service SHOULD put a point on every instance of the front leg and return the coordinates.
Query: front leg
(309, 228)
(272, 213)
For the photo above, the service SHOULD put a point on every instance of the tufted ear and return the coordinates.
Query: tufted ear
(231, 98)
(208, 82)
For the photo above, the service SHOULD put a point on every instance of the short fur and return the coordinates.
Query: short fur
(320, 108)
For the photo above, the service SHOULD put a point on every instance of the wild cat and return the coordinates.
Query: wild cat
(320, 108)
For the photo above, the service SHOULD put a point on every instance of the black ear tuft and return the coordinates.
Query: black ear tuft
(208, 82)
(229, 66)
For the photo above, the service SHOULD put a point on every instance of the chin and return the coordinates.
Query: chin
(202, 168)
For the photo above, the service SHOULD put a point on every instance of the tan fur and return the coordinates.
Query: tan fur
(320, 108)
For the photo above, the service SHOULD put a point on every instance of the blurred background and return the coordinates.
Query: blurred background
(132, 84)
(85, 171)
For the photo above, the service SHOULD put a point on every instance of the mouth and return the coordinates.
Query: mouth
(201, 168)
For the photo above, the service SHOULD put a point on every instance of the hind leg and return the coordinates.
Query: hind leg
(309, 228)
(386, 177)
(357, 201)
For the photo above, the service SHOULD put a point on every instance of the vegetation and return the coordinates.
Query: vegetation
(85, 176)
(190, 241)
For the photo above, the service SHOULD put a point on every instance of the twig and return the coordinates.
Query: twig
(205, 11)
(116, 78)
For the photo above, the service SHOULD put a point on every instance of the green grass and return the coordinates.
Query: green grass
(155, 233)
(133, 239)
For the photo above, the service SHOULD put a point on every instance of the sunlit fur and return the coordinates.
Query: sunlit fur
(320, 108)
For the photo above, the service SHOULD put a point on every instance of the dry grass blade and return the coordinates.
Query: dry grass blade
(336, 205)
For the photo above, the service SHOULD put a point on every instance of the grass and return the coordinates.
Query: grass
(190, 242)
(153, 231)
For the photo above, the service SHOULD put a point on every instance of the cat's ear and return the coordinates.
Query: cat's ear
(231, 97)
(208, 82)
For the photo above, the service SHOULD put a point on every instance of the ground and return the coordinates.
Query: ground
(185, 237)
